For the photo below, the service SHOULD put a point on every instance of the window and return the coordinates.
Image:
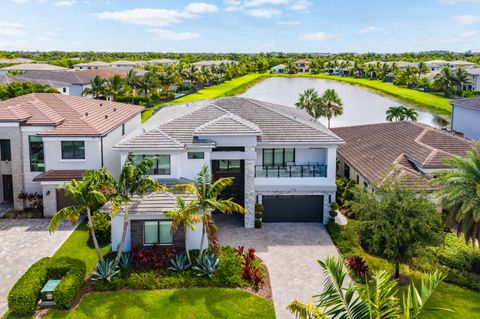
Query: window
(73, 149)
(64, 90)
(229, 149)
(5, 150)
(123, 129)
(157, 233)
(278, 156)
(358, 179)
(161, 163)
(196, 155)
(346, 171)
(227, 166)
(37, 159)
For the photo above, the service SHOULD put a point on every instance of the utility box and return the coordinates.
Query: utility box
(47, 292)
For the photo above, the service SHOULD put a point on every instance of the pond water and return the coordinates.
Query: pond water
(360, 106)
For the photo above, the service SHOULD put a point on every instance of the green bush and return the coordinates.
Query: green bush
(230, 272)
(25, 294)
(102, 227)
(456, 254)
(339, 239)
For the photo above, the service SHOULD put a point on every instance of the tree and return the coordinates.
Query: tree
(309, 101)
(90, 194)
(444, 81)
(147, 82)
(331, 105)
(207, 192)
(395, 222)
(378, 299)
(459, 193)
(401, 113)
(460, 78)
(422, 69)
(114, 87)
(96, 89)
(410, 114)
(133, 181)
(14, 89)
(184, 214)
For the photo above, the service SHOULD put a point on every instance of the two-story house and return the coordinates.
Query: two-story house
(47, 139)
(465, 118)
(302, 66)
(279, 156)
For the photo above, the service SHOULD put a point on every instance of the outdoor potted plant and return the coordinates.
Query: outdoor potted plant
(333, 211)
(258, 215)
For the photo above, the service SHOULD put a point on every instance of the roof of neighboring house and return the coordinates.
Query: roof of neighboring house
(402, 64)
(15, 61)
(34, 67)
(379, 150)
(68, 115)
(106, 73)
(280, 66)
(473, 103)
(473, 70)
(162, 61)
(234, 115)
(54, 175)
(92, 64)
(124, 62)
(461, 62)
(66, 77)
(213, 62)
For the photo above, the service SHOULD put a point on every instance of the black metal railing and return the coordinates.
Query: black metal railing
(290, 171)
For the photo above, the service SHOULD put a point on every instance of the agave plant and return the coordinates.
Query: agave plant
(105, 270)
(125, 261)
(179, 263)
(207, 264)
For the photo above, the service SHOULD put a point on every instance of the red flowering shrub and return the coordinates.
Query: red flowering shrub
(251, 270)
(152, 257)
(357, 265)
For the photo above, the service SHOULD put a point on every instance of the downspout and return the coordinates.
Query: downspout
(101, 149)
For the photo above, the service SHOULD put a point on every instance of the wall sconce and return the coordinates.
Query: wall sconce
(47, 193)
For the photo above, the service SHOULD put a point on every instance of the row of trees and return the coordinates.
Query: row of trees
(11, 90)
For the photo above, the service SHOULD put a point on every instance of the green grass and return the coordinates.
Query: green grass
(422, 99)
(76, 246)
(228, 88)
(175, 303)
(465, 303)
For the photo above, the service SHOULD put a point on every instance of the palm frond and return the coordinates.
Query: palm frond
(304, 311)
(71, 213)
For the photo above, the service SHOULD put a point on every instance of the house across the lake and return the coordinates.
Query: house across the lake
(48, 139)
(302, 66)
(281, 68)
(466, 118)
(410, 150)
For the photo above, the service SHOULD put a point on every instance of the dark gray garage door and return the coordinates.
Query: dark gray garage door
(293, 208)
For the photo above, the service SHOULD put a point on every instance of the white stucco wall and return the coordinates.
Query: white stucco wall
(117, 229)
(53, 154)
(466, 120)
(189, 168)
(29, 184)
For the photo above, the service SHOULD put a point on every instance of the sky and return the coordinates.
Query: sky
(245, 26)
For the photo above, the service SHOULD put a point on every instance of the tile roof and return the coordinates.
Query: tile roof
(15, 61)
(108, 72)
(92, 64)
(473, 103)
(68, 115)
(151, 140)
(67, 77)
(375, 150)
(213, 62)
(34, 67)
(54, 175)
(272, 123)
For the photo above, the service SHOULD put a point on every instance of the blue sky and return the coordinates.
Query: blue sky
(240, 25)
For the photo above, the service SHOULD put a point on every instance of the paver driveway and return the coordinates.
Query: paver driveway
(290, 251)
(23, 242)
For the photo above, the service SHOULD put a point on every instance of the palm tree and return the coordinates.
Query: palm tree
(331, 105)
(89, 194)
(115, 86)
(377, 299)
(422, 69)
(292, 69)
(96, 89)
(460, 193)
(147, 82)
(395, 113)
(186, 214)
(132, 80)
(309, 101)
(460, 78)
(444, 81)
(410, 114)
(207, 192)
(133, 181)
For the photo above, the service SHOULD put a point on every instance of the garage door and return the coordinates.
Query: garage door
(293, 208)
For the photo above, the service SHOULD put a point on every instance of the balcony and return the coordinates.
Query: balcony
(291, 171)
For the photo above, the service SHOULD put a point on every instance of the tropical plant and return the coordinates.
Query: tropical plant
(331, 105)
(147, 82)
(422, 69)
(114, 87)
(105, 270)
(14, 89)
(132, 80)
(460, 78)
(125, 261)
(395, 113)
(376, 299)
(207, 192)
(89, 194)
(207, 264)
(357, 265)
(459, 193)
(96, 89)
(309, 101)
(410, 114)
(133, 181)
(179, 263)
(444, 81)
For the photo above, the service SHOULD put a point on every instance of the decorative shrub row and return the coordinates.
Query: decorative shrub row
(342, 243)
(25, 294)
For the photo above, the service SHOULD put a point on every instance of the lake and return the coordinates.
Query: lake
(361, 106)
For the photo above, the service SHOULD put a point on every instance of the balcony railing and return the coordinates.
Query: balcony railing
(290, 171)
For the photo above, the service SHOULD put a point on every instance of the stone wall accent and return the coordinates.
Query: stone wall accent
(14, 135)
(49, 200)
(250, 190)
(136, 235)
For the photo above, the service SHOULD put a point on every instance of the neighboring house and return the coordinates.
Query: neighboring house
(281, 68)
(466, 118)
(436, 65)
(27, 67)
(59, 86)
(106, 73)
(164, 62)
(124, 64)
(278, 156)
(474, 78)
(213, 62)
(48, 139)
(410, 150)
(91, 65)
(402, 65)
(302, 66)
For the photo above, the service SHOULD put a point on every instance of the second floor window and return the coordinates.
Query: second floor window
(37, 157)
(278, 156)
(73, 149)
(161, 163)
(5, 150)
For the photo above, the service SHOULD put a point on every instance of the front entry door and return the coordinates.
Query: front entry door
(7, 183)
(235, 169)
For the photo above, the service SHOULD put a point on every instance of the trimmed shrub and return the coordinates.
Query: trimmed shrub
(102, 227)
(338, 238)
(71, 283)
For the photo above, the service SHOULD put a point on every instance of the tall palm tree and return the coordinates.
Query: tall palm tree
(444, 81)
(96, 89)
(410, 114)
(132, 80)
(184, 214)
(89, 194)
(460, 193)
(395, 113)
(133, 181)
(422, 69)
(460, 78)
(331, 105)
(309, 101)
(147, 82)
(376, 300)
(207, 192)
(115, 86)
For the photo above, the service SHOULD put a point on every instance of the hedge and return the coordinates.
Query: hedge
(25, 294)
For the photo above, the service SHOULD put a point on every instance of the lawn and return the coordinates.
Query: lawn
(430, 101)
(173, 303)
(464, 302)
(228, 88)
(76, 246)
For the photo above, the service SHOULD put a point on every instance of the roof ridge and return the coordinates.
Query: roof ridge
(240, 120)
(159, 130)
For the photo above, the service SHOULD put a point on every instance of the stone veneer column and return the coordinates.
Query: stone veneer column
(250, 190)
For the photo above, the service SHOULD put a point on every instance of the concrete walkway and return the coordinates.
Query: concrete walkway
(22, 243)
(290, 251)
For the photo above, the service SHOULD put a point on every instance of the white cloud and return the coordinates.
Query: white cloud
(288, 22)
(459, 1)
(65, 3)
(165, 34)
(370, 29)
(300, 5)
(466, 19)
(317, 36)
(11, 28)
(257, 3)
(468, 34)
(264, 12)
(200, 8)
(15, 45)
